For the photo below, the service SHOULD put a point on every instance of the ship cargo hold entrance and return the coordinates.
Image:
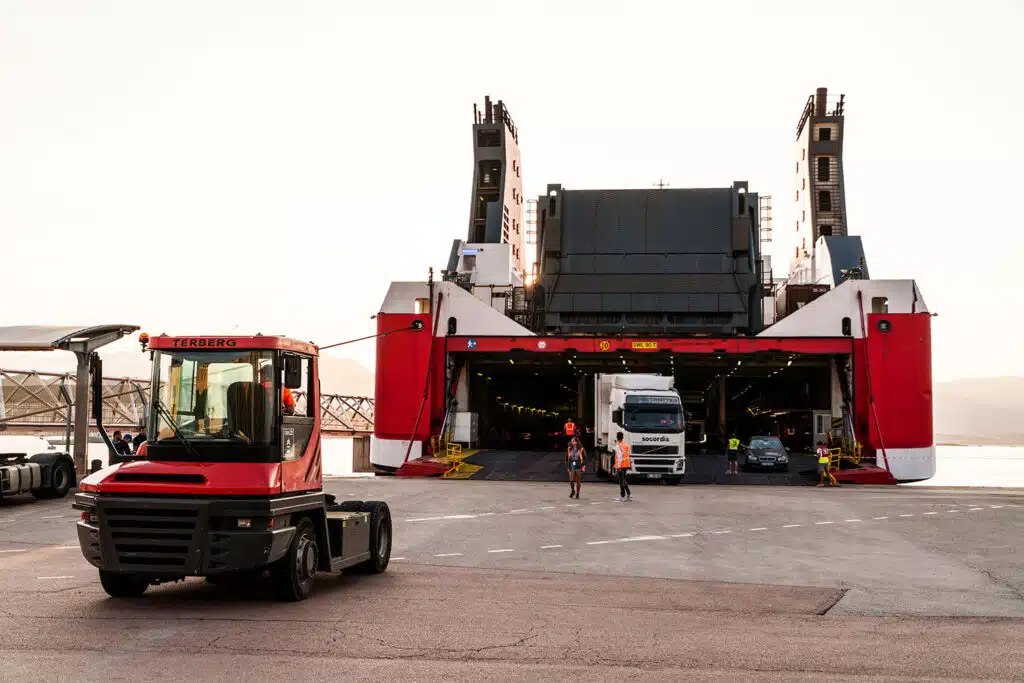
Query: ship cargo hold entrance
(511, 405)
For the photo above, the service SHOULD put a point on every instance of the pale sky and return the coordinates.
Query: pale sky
(272, 166)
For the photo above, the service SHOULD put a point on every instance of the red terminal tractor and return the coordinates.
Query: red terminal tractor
(230, 484)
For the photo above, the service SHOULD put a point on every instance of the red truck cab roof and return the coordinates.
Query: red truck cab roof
(165, 342)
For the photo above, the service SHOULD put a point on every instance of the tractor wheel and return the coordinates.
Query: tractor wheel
(380, 538)
(119, 585)
(295, 573)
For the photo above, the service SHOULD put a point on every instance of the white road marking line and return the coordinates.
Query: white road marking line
(19, 550)
(631, 539)
(680, 535)
(67, 547)
(880, 517)
(995, 507)
(973, 509)
(573, 505)
(448, 555)
(931, 513)
(789, 526)
(44, 578)
(52, 517)
(487, 514)
(548, 507)
(824, 523)
(721, 532)
(395, 559)
(503, 550)
(603, 504)
(433, 519)
(759, 528)
(910, 515)
(853, 520)
(516, 512)
(1011, 505)
(952, 511)
(547, 547)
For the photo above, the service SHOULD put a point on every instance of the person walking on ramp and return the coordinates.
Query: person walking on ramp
(576, 457)
(622, 463)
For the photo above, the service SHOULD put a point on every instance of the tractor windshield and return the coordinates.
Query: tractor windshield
(210, 398)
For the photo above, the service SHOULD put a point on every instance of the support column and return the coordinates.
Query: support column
(82, 414)
(722, 423)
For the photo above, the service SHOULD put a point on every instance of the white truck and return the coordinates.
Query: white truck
(29, 464)
(648, 412)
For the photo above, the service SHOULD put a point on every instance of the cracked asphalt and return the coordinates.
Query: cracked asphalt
(721, 584)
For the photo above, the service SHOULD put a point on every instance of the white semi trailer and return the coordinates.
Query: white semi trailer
(648, 412)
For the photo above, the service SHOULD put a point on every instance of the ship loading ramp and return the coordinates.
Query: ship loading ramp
(515, 395)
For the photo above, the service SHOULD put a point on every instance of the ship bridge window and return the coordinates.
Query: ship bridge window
(488, 138)
(825, 230)
(880, 304)
(422, 306)
(824, 133)
(824, 200)
(823, 169)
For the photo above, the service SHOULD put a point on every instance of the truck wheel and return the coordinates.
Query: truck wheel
(62, 475)
(119, 585)
(296, 571)
(380, 538)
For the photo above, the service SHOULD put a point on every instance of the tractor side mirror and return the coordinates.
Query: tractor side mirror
(292, 372)
(617, 417)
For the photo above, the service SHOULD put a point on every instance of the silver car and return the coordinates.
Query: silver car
(765, 453)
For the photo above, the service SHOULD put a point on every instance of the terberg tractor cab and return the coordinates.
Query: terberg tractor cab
(230, 485)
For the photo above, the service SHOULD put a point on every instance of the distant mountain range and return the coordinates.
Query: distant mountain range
(980, 411)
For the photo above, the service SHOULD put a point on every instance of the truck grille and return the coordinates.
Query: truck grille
(645, 465)
(151, 537)
(659, 450)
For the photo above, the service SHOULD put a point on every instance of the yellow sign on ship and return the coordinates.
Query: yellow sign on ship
(644, 345)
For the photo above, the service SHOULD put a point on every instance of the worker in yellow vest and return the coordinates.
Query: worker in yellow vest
(622, 465)
(823, 460)
(734, 455)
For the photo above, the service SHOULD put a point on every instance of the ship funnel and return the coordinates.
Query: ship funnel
(819, 101)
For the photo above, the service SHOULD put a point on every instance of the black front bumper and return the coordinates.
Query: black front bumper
(168, 536)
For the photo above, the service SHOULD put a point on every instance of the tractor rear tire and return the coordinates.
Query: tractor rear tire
(295, 573)
(62, 476)
(118, 585)
(380, 538)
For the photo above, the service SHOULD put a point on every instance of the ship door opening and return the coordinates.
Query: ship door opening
(511, 408)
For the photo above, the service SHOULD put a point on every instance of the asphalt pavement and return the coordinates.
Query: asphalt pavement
(516, 581)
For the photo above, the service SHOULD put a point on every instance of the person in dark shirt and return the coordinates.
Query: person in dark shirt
(122, 444)
(137, 442)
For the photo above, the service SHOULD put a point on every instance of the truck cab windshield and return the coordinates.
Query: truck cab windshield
(663, 419)
(212, 397)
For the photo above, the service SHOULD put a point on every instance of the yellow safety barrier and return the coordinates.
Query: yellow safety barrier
(455, 456)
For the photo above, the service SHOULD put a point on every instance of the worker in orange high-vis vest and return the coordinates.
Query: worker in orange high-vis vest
(622, 463)
(570, 429)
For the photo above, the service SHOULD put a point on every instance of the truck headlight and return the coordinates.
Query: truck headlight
(679, 464)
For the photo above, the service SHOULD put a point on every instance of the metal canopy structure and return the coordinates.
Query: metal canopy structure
(83, 342)
(73, 338)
